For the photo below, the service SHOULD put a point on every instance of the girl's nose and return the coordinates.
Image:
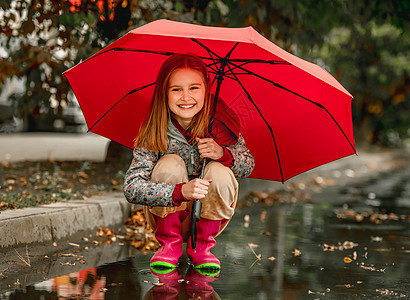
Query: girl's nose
(186, 95)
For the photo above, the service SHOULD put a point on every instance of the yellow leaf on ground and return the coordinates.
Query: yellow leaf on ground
(296, 252)
(348, 260)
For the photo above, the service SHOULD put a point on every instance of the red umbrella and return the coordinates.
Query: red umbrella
(293, 114)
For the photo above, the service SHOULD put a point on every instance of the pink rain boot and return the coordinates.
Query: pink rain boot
(168, 233)
(201, 257)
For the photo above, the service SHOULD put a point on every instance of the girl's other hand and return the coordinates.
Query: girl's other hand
(209, 148)
(195, 189)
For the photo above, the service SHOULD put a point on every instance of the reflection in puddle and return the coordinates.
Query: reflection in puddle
(284, 251)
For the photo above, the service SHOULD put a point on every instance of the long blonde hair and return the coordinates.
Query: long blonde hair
(153, 131)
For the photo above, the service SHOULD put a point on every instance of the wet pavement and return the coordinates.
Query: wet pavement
(328, 238)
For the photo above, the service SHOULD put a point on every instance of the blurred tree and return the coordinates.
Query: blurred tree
(42, 39)
(363, 43)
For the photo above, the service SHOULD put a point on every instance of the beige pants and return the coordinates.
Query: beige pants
(219, 203)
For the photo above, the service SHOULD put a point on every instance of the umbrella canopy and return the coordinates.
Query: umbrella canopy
(293, 114)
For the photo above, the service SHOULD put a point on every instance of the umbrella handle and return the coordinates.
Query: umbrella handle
(196, 213)
(195, 216)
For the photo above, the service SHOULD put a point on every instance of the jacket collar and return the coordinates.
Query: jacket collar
(174, 133)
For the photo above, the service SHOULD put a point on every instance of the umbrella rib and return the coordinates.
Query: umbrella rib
(263, 118)
(340, 128)
(212, 56)
(296, 94)
(260, 61)
(166, 53)
(210, 52)
(115, 104)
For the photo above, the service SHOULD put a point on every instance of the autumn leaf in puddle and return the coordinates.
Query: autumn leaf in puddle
(345, 246)
(347, 260)
(316, 293)
(158, 283)
(327, 247)
(376, 238)
(296, 252)
(349, 245)
(251, 246)
(263, 216)
(246, 220)
(387, 292)
(372, 268)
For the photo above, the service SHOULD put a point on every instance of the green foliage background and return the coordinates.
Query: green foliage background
(364, 44)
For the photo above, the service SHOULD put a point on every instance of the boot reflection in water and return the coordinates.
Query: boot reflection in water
(168, 286)
(196, 285)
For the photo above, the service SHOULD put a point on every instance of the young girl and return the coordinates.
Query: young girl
(168, 154)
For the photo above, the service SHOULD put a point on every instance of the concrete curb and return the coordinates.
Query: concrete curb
(55, 221)
(34, 146)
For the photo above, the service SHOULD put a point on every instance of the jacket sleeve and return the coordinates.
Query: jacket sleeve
(138, 187)
(243, 161)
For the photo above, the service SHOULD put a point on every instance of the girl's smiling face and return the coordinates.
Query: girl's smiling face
(186, 94)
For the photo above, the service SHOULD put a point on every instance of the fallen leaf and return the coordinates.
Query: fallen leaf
(316, 293)
(373, 269)
(81, 260)
(83, 175)
(115, 182)
(158, 283)
(263, 215)
(347, 260)
(382, 250)
(349, 245)
(67, 255)
(3, 204)
(327, 247)
(296, 252)
(376, 238)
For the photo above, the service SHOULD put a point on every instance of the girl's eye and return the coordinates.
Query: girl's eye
(194, 88)
(175, 89)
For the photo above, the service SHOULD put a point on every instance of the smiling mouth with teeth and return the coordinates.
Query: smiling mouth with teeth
(187, 106)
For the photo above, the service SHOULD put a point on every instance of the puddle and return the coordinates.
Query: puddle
(285, 251)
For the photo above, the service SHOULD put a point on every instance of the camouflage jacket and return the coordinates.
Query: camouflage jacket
(139, 189)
